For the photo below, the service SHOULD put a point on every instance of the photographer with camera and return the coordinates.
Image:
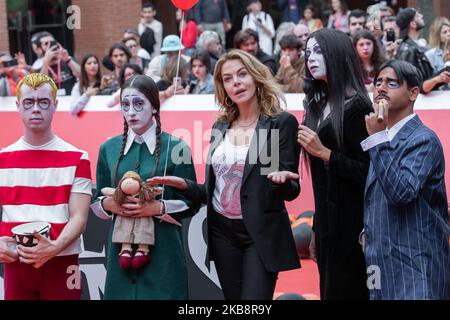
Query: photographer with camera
(37, 41)
(59, 66)
(391, 37)
(11, 72)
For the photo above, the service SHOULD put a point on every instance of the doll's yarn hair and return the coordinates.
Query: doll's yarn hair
(148, 87)
(146, 192)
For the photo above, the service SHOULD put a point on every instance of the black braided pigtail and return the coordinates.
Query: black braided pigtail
(122, 150)
(158, 141)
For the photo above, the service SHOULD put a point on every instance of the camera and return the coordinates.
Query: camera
(52, 44)
(10, 63)
(390, 36)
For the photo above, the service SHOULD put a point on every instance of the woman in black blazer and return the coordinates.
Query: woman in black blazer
(253, 145)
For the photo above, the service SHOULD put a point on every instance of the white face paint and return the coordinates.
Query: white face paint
(36, 107)
(315, 60)
(137, 110)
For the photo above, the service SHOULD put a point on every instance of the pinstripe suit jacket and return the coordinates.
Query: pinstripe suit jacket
(405, 217)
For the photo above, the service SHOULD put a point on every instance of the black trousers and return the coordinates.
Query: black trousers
(241, 272)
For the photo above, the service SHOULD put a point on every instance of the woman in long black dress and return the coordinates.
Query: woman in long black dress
(336, 103)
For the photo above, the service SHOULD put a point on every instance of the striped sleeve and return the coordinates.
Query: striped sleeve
(83, 182)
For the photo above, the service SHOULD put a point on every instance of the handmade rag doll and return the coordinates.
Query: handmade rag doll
(129, 230)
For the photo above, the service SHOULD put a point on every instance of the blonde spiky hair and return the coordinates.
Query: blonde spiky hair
(35, 80)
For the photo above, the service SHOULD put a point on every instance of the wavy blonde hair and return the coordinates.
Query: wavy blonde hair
(269, 93)
(434, 37)
(35, 80)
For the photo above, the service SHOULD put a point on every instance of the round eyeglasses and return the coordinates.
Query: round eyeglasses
(138, 104)
(43, 104)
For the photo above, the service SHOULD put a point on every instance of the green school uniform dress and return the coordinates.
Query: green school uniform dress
(165, 277)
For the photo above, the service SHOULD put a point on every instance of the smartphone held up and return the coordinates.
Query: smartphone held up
(9, 63)
(390, 36)
(177, 82)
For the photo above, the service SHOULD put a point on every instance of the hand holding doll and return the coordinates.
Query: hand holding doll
(130, 230)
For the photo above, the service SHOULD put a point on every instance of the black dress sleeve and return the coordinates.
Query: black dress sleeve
(353, 163)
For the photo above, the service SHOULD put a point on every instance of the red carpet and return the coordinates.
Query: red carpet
(301, 281)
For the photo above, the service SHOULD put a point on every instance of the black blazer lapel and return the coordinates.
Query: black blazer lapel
(257, 145)
(216, 139)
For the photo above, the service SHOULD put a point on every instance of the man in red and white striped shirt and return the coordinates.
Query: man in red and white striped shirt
(42, 178)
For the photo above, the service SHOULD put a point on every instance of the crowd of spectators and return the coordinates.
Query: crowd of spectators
(378, 35)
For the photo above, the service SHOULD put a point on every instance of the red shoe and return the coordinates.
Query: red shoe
(125, 259)
(140, 259)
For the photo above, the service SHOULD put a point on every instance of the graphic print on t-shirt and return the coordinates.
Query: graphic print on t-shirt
(228, 163)
(230, 199)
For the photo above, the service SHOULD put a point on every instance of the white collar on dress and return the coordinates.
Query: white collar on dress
(149, 137)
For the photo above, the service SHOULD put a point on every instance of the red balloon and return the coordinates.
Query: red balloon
(184, 4)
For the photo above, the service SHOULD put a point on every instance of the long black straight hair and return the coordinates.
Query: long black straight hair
(84, 79)
(344, 77)
(148, 87)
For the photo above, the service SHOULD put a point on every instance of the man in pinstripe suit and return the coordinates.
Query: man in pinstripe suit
(405, 208)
